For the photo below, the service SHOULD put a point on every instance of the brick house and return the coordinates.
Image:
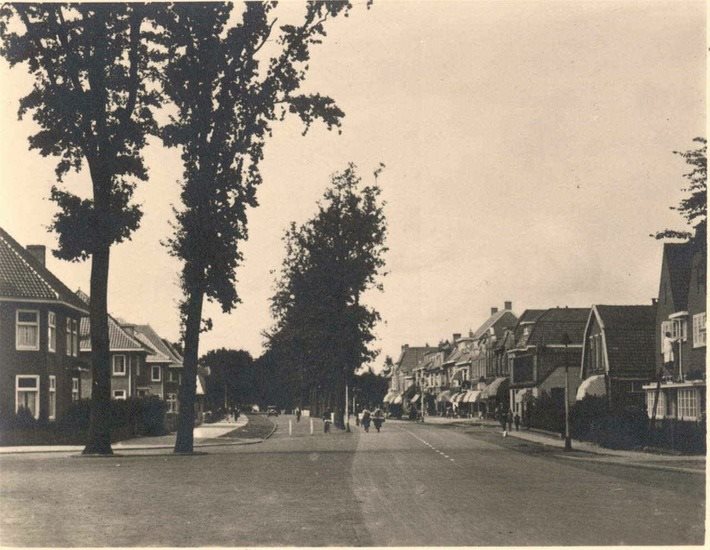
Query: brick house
(402, 375)
(617, 356)
(39, 334)
(156, 379)
(681, 311)
(127, 357)
(538, 361)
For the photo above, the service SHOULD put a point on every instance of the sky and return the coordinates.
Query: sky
(528, 151)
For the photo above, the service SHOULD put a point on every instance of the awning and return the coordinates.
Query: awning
(594, 385)
(389, 397)
(397, 400)
(414, 399)
(444, 397)
(472, 396)
(456, 398)
(494, 388)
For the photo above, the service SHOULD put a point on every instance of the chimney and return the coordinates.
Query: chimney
(654, 301)
(39, 251)
(457, 336)
(508, 306)
(405, 346)
(494, 310)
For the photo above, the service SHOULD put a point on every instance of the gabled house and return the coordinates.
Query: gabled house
(542, 361)
(618, 353)
(39, 335)
(174, 378)
(681, 312)
(402, 376)
(127, 357)
(152, 379)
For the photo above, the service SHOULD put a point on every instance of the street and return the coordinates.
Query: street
(412, 484)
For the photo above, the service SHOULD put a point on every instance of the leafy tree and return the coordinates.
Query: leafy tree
(370, 387)
(227, 99)
(93, 67)
(322, 331)
(231, 379)
(694, 207)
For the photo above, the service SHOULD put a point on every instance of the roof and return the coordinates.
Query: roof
(146, 335)
(553, 323)
(678, 259)
(410, 357)
(492, 321)
(528, 317)
(461, 352)
(174, 355)
(630, 335)
(118, 338)
(23, 277)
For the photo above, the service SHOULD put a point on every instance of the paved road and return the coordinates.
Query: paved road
(409, 485)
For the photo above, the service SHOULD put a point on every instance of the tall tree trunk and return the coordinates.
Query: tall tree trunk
(184, 442)
(100, 417)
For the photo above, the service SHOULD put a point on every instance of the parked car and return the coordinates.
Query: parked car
(271, 410)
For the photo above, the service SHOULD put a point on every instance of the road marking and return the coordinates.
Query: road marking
(427, 444)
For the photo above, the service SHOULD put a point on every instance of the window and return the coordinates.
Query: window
(687, 404)
(52, 397)
(679, 329)
(699, 334)
(68, 336)
(75, 337)
(172, 402)
(27, 394)
(119, 365)
(666, 326)
(138, 366)
(660, 408)
(75, 389)
(155, 374)
(27, 330)
(119, 394)
(52, 331)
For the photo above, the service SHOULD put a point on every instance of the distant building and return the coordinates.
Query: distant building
(402, 375)
(39, 340)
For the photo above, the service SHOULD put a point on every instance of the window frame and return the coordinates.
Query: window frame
(36, 390)
(18, 324)
(699, 329)
(52, 413)
(113, 365)
(51, 331)
(75, 389)
(68, 336)
(152, 371)
(122, 397)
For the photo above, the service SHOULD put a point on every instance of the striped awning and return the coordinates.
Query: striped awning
(414, 399)
(389, 397)
(444, 397)
(472, 396)
(397, 400)
(594, 385)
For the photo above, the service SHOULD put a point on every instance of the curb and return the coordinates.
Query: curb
(636, 465)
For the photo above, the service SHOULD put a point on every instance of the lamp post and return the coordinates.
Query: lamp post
(568, 441)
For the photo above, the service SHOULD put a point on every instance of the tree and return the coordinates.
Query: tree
(371, 388)
(322, 331)
(93, 66)
(227, 100)
(232, 378)
(694, 207)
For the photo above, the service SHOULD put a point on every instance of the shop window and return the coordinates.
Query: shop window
(27, 330)
(27, 394)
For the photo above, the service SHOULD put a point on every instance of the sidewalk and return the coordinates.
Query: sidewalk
(205, 436)
(685, 463)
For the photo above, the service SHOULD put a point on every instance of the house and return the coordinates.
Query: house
(39, 338)
(547, 354)
(162, 367)
(618, 353)
(127, 357)
(681, 311)
(174, 378)
(402, 376)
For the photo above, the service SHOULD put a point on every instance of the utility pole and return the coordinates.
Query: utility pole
(347, 409)
(568, 440)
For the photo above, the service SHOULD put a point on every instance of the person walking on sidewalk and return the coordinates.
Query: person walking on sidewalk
(516, 419)
(510, 420)
(298, 414)
(326, 421)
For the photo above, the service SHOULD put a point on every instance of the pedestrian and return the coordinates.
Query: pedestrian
(326, 421)
(510, 420)
(516, 418)
(298, 414)
(668, 355)
(366, 419)
(378, 418)
(503, 418)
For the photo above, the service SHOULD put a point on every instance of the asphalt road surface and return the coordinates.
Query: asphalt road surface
(412, 484)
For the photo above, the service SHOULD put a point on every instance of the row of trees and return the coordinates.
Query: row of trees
(323, 331)
(101, 74)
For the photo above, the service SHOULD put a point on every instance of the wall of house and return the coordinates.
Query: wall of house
(42, 362)
(594, 362)
(697, 303)
(557, 380)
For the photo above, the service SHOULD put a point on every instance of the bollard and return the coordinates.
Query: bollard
(290, 427)
(311, 426)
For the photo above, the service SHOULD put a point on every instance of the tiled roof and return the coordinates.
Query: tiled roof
(118, 338)
(22, 276)
(174, 355)
(147, 335)
(630, 334)
(678, 259)
(410, 356)
(461, 353)
(553, 323)
(528, 316)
